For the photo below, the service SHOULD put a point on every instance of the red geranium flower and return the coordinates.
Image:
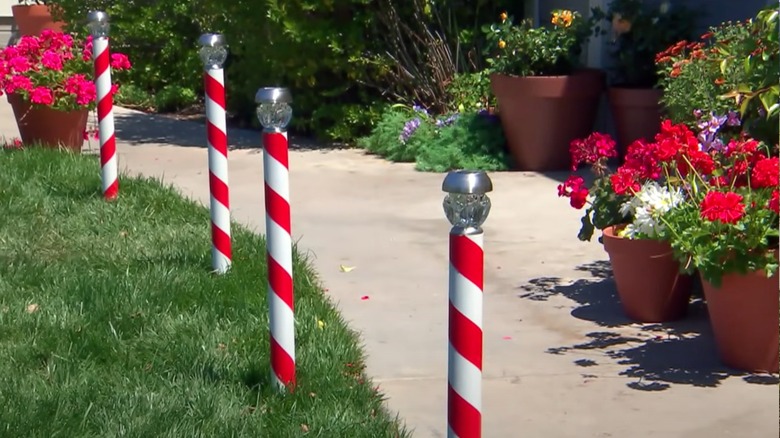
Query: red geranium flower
(624, 181)
(672, 139)
(594, 148)
(574, 188)
(642, 158)
(774, 202)
(765, 173)
(722, 207)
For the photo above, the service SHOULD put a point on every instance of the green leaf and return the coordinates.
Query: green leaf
(586, 232)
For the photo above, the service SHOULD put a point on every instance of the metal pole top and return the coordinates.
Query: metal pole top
(273, 95)
(467, 182)
(212, 40)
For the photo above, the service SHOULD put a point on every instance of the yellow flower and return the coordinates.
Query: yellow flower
(501, 44)
(503, 16)
(562, 18)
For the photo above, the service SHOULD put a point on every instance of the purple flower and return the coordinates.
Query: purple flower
(408, 130)
(419, 109)
(697, 113)
(709, 127)
(448, 120)
(733, 119)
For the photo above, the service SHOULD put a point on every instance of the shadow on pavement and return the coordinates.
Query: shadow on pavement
(658, 355)
(135, 127)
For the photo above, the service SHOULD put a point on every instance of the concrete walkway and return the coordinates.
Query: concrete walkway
(560, 360)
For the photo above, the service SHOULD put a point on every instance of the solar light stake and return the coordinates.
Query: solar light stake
(213, 53)
(274, 113)
(109, 173)
(466, 207)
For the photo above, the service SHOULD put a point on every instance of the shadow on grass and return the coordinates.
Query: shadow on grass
(135, 128)
(658, 355)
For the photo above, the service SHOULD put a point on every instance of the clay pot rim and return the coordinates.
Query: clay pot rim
(579, 72)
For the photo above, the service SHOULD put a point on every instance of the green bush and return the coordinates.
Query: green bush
(133, 96)
(336, 56)
(437, 144)
(474, 141)
(175, 98)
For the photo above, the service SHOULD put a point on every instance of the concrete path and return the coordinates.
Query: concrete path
(560, 360)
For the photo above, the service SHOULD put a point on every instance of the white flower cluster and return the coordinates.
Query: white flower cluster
(647, 207)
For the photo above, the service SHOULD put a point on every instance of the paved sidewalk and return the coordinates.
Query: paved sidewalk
(560, 360)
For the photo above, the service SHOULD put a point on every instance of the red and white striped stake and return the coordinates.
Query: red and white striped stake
(279, 245)
(464, 392)
(216, 131)
(109, 173)
(466, 206)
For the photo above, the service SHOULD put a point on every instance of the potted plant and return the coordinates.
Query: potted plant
(727, 229)
(544, 99)
(49, 83)
(34, 16)
(627, 206)
(640, 30)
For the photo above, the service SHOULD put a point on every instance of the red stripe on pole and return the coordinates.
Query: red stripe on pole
(107, 151)
(282, 364)
(278, 209)
(276, 145)
(217, 138)
(112, 191)
(465, 337)
(221, 241)
(467, 258)
(463, 419)
(102, 62)
(219, 190)
(280, 281)
(215, 91)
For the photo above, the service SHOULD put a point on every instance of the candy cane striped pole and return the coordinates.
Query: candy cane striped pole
(213, 54)
(109, 172)
(274, 113)
(467, 207)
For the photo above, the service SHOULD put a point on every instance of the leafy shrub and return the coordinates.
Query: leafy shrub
(734, 65)
(471, 92)
(174, 98)
(133, 96)
(474, 141)
(335, 56)
(438, 144)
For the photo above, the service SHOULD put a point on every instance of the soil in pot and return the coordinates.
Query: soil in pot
(541, 115)
(48, 127)
(637, 114)
(649, 284)
(744, 317)
(33, 19)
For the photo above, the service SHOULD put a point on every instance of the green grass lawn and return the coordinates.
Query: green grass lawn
(112, 325)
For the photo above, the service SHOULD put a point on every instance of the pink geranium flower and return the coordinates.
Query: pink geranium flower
(120, 62)
(52, 69)
(52, 60)
(42, 96)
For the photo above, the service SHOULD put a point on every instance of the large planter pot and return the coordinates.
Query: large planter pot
(48, 127)
(744, 317)
(541, 115)
(649, 284)
(32, 19)
(637, 114)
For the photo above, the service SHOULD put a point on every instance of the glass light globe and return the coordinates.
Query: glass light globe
(98, 24)
(213, 56)
(466, 210)
(274, 115)
(213, 50)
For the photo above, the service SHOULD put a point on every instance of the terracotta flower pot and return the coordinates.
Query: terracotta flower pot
(744, 317)
(48, 127)
(32, 19)
(637, 114)
(649, 284)
(541, 115)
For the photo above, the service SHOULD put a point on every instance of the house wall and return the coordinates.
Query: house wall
(6, 21)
